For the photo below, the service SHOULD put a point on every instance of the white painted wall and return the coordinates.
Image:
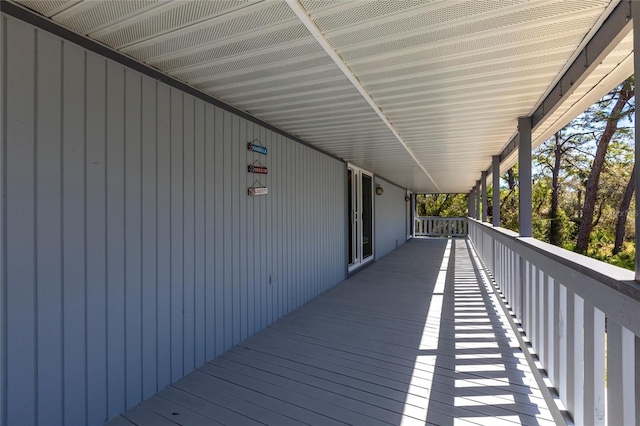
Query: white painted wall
(131, 251)
(390, 218)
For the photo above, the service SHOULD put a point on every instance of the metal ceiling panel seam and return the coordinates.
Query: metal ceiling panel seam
(450, 76)
(304, 17)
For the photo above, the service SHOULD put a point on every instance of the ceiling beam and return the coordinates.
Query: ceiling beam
(613, 30)
(608, 36)
(304, 17)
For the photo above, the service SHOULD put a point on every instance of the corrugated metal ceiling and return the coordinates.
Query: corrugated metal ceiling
(451, 76)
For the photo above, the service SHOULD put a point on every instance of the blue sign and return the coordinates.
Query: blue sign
(257, 148)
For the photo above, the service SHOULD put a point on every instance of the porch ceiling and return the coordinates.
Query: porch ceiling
(450, 77)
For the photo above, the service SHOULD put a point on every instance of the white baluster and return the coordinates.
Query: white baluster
(563, 345)
(576, 404)
(543, 317)
(594, 390)
(621, 395)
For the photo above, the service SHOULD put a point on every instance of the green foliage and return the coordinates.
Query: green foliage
(570, 155)
(567, 159)
(601, 248)
(444, 205)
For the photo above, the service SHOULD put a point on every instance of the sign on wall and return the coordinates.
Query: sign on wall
(257, 168)
(257, 148)
(258, 190)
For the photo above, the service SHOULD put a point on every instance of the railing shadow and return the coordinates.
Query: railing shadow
(483, 375)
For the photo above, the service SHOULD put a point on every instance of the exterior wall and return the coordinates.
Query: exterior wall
(132, 253)
(390, 218)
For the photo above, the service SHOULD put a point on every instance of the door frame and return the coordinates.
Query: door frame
(355, 240)
(410, 214)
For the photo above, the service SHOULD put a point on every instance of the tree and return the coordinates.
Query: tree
(621, 108)
(444, 205)
(561, 156)
(621, 223)
(554, 225)
(509, 200)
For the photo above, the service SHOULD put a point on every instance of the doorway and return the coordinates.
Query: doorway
(410, 214)
(360, 194)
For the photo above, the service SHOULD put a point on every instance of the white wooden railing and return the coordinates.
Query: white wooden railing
(435, 226)
(581, 318)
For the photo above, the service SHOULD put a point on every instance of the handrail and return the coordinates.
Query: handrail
(436, 226)
(566, 304)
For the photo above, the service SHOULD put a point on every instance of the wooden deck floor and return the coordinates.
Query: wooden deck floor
(414, 339)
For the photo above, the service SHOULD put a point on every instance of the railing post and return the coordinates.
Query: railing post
(495, 212)
(524, 169)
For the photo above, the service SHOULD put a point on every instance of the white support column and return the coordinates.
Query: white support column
(484, 196)
(524, 170)
(635, 12)
(470, 204)
(477, 199)
(495, 164)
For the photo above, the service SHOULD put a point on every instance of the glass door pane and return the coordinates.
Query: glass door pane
(351, 207)
(367, 216)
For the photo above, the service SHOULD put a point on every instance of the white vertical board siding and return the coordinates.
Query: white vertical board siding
(131, 252)
(390, 218)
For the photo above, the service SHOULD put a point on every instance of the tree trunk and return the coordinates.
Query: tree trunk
(591, 191)
(511, 179)
(442, 205)
(579, 204)
(555, 225)
(621, 224)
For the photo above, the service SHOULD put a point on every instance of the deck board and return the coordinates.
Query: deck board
(410, 340)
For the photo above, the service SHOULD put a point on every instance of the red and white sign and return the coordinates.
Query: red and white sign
(258, 191)
(258, 169)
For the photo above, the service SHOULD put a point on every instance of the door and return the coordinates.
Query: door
(360, 194)
(410, 214)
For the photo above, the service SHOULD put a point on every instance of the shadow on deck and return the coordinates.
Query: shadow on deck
(417, 338)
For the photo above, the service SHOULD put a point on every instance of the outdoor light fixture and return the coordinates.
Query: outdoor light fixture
(407, 198)
(379, 190)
